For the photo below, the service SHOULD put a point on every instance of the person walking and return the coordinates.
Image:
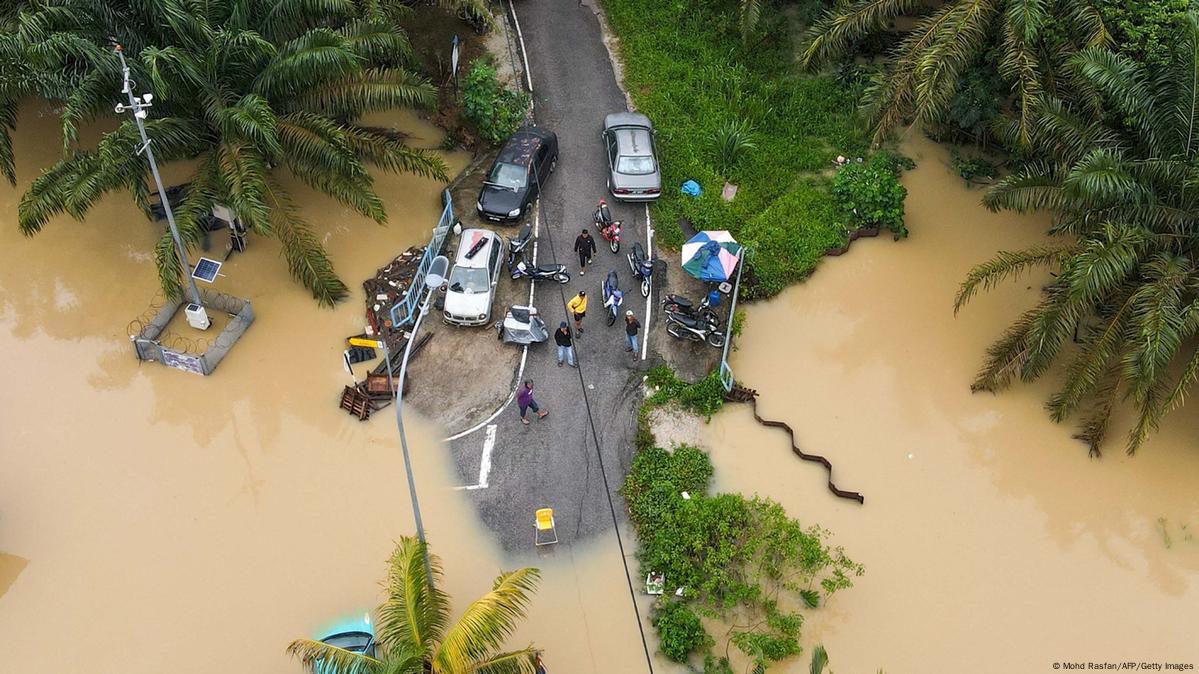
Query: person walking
(631, 327)
(585, 247)
(563, 340)
(577, 306)
(524, 400)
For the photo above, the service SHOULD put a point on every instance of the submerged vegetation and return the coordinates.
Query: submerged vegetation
(413, 632)
(739, 561)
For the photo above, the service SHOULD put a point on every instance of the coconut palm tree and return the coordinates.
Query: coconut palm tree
(1120, 175)
(244, 88)
(414, 634)
(1033, 40)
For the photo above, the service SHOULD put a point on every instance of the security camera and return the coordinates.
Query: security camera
(140, 114)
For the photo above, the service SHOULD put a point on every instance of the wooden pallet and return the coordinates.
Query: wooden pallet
(357, 402)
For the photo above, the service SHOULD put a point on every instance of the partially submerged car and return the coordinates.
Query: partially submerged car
(355, 636)
(525, 161)
(633, 172)
(470, 287)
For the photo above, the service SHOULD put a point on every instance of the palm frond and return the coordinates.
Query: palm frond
(385, 148)
(833, 33)
(1157, 322)
(1096, 360)
(416, 613)
(306, 257)
(1094, 427)
(487, 622)
(314, 58)
(1006, 356)
(1005, 265)
(322, 658)
(523, 661)
(372, 90)
(1122, 82)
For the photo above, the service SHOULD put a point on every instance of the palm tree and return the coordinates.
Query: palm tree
(1032, 38)
(1123, 162)
(414, 634)
(243, 87)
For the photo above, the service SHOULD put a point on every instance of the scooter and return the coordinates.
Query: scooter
(684, 327)
(643, 267)
(544, 272)
(517, 245)
(681, 306)
(608, 228)
(613, 297)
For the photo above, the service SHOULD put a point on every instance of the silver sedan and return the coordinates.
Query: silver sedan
(633, 171)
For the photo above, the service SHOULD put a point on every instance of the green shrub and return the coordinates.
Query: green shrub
(680, 632)
(731, 142)
(1145, 30)
(495, 112)
(970, 168)
(870, 196)
(705, 397)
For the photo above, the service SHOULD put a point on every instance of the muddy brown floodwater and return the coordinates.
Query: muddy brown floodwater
(151, 519)
(991, 542)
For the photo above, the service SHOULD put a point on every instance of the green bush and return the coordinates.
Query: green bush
(970, 168)
(680, 632)
(870, 196)
(495, 112)
(686, 68)
(1145, 30)
(705, 397)
(731, 142)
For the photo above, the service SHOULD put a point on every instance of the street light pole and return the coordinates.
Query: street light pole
(138, 107)
(433, 279)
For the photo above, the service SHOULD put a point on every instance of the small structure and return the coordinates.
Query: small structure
(148, 337)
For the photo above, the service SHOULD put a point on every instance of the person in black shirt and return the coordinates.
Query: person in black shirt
(563, 340)
(631, 327)
(585, 247)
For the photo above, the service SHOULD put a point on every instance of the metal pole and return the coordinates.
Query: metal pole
(399, 401)
(138, 113)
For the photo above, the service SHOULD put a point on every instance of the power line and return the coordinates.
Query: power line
(598, 452)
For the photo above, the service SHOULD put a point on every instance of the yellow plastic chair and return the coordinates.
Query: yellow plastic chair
(544, 532)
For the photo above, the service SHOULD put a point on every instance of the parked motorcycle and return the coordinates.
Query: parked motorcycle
(681, 306)
(544, 272)
(517, 245)
(642, 266)
(608, 228)
(685, 327)
(613, 297)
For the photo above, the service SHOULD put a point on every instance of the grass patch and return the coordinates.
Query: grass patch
(686, 68)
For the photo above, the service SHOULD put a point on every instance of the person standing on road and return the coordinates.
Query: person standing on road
(577, 306)
(631, 328)
(562, 339)
(524, 400)
(585, 247)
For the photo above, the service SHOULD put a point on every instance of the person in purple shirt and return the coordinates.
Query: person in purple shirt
(524, 400)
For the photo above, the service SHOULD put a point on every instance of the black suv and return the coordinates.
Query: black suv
(528, 157)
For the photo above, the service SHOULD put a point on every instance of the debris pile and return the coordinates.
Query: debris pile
(383, 291)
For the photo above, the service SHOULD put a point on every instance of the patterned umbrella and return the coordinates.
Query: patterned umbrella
(711, 256)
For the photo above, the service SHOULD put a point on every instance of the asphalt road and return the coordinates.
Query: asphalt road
(554, 462)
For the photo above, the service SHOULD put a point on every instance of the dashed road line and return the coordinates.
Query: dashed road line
(484, 462)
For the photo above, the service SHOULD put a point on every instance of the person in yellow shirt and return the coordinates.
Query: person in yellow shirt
(577, 306)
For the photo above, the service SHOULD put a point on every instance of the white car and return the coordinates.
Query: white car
(471, 284)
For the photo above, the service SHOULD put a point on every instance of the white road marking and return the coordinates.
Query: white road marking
(484, 462)
(649, 301)
(523, 53)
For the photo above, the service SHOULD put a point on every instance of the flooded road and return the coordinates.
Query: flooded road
(991, 542)
(152, 519)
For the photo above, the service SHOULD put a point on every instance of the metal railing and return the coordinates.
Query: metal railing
(405, 310)
(726, 370)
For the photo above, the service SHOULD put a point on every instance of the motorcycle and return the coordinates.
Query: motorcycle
(544, 272)
(685, 327)
(517, 245)
(613, 297)
(608, 228)
(643, 267)
(681, 306)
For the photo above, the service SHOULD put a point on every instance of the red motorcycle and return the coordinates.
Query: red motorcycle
(609, 228)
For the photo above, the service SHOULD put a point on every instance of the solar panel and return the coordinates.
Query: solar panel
(206, 270)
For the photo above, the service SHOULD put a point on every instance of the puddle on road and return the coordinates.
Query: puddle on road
(991, 542)
(143, 510)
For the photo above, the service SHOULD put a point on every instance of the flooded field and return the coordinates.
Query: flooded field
(152, 519)
(991, 542)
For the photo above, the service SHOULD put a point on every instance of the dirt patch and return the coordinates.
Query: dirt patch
(672, 427)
